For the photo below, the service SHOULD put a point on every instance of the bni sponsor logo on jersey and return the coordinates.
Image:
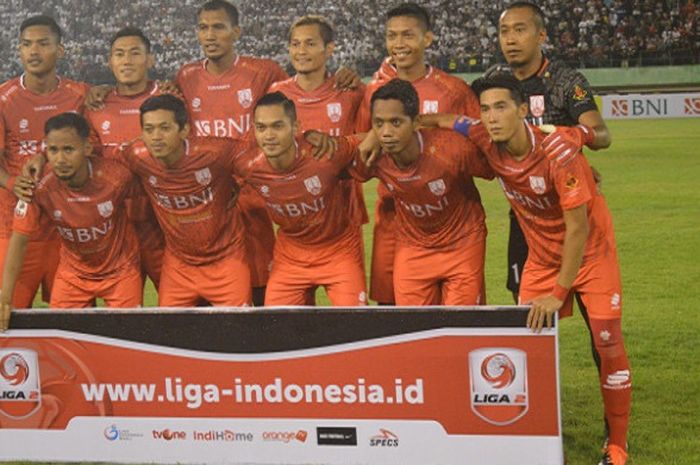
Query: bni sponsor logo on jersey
(537, 106)
(19, 376)
(538, 185)
(245, 97)
(498, 379)
(334, 111)
(313, 185)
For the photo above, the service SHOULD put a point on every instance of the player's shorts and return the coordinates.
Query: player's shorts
(259, 235)
(151, 249)
(38, 269)
(441, 276)
(383, 251)
(123, 289)
(297, 271)
(517, 254)
(598, 285)
(223, 283)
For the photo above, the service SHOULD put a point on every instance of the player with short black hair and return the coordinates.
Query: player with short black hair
(222, 5)
(42, 20)
(131, 31)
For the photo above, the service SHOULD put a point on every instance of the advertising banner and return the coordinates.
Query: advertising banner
(640, 106)
(332, 386)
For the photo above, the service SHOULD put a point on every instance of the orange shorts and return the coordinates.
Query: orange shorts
(223, 283)
(151, 248)
(260, 236)
(598, 284)
(441, 276)
(38, 269)
(124, 289)
(297, 271)
(383, 251)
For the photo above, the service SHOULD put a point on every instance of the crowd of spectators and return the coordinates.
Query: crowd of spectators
(589, 33)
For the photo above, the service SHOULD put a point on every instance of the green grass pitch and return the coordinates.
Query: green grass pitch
(651, 179)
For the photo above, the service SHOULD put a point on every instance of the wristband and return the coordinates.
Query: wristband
(10, 183)
(462, 125)
(560, 292)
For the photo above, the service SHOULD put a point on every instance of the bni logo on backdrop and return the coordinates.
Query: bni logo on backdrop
(498, 380)
(19, 376)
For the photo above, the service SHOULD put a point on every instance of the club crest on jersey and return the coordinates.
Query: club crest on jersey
(245, 97)
(21, 209)
(437, 187)
(430, 106)
(23, 125)
(196, 104)
(203, 176)
(537, 184)
(153, 181)
(106, 125)
(335, 111)
(537, 106)
(265, 191)
(57, 215)
(313, 185)
(105, 208)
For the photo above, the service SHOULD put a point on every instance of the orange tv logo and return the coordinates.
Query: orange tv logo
(498, 379)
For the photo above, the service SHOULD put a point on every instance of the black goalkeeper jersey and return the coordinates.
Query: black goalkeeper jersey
(556, 93)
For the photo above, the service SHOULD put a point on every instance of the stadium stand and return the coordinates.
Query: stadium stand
(594, 33)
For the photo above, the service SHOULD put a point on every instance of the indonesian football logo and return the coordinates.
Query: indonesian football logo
(203, 176)
(335, 111)
(538, 185)
(313, 185)
(19, 376)
(498, 379)
(537, 106)
(430, 106)
(437, 187)
(245, 97)
(105, 208)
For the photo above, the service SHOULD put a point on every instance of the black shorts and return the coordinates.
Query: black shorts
(517, 254)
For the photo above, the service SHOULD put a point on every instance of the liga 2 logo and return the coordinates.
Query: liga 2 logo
(498, 380)
(19, 376)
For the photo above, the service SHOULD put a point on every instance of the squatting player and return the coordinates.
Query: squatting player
(556, 93)
(318, 243)
(26, 103)
(84, 199)
(117, 123)
(568, 228)
(408, 35)
(440, 222)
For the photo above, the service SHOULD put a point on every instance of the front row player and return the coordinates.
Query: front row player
(569, 232)
(84, 197)
(440, 223)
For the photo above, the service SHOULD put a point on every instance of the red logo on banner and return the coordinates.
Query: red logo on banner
(14, 369)
(498, 384)
(169, 435)
(620, 108)
(692, 106)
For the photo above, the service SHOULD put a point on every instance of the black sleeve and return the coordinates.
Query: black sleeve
(578, 95)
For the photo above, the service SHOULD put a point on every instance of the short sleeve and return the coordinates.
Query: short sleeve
(476, 164)
(571, 182)
(579, 96)
(26, 218)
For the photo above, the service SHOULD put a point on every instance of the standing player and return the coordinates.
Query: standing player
(556, 94)
(441, 233)
(26, 103)
(319, 103)
(569, 231)
(220, 92)
(408, 35)
(84, 197)
(318, 243)
(117, 123)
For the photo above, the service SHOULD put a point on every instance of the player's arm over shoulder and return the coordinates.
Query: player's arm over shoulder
(580, 103)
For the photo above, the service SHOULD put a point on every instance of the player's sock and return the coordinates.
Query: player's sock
(615, 378)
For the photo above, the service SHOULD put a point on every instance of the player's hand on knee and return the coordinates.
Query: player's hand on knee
(543, 311)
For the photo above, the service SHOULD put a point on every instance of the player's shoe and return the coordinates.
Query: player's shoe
(614, 455)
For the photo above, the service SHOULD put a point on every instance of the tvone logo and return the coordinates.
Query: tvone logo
(692, 106)
(169, 435)
(498, 378)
